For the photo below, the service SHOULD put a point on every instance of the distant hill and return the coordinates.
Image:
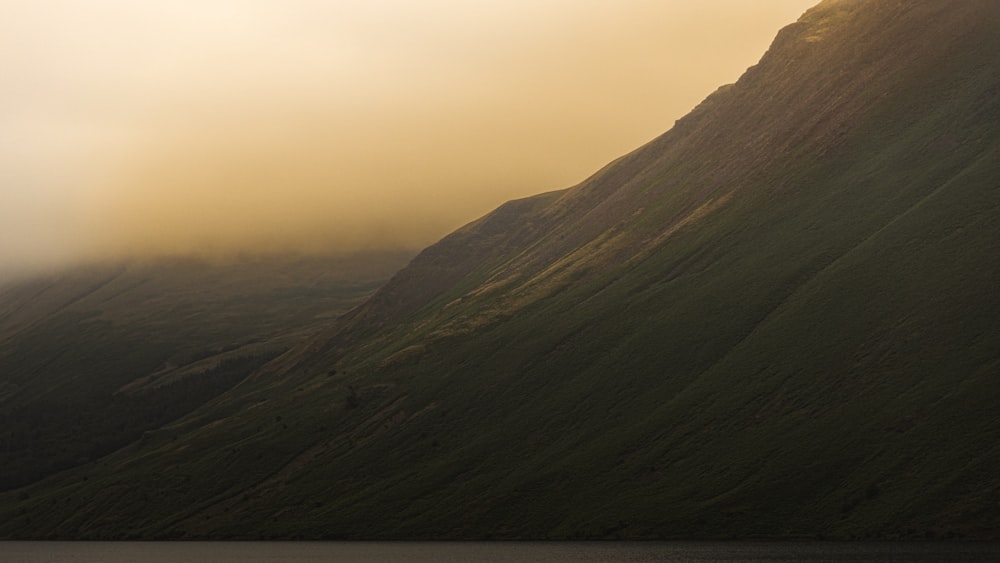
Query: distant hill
(92, 357)
(778, 319)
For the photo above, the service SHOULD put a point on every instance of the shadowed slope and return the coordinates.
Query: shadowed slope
(777, 319)
(92, 357)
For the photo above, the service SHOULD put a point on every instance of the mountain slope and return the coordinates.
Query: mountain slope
(777, 319)
(92, 357)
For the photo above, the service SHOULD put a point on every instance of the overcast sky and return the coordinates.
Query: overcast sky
(217, 126)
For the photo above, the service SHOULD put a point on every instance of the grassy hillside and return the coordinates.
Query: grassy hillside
(776, 320)
(93, 357)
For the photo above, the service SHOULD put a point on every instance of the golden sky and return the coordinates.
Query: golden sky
(223, 126)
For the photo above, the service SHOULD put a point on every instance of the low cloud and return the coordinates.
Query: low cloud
(226, 127)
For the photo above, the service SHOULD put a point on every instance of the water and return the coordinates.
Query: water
(489, 552)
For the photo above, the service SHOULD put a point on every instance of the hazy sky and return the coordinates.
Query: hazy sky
(220, 126)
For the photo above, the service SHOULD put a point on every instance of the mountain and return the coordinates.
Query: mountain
(778, 319)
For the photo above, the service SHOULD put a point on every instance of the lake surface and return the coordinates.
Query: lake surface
(490, 552)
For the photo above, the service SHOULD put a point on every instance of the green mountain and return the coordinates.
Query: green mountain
(778, 319)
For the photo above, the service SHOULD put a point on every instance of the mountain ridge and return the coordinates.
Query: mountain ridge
(635, 166)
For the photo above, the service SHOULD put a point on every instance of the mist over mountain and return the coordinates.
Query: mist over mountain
(777, 319)
(185, 128)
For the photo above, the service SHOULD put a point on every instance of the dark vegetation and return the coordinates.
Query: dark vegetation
(776, 320)
(100, 358)
(51, 435)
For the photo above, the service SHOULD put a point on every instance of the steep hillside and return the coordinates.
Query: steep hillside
(777, 319)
